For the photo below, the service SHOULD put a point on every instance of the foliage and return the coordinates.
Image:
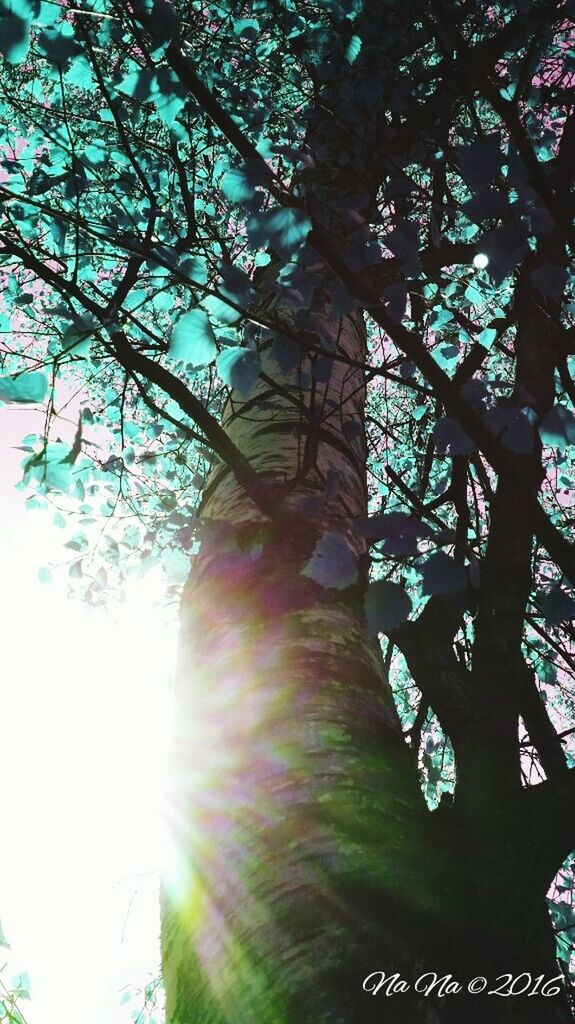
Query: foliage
(175, 208)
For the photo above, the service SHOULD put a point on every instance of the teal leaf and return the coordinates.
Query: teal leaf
(238, 184)
(333, 563)
(387, 606)
(352, 49)
(20, 985)
(51, 467)
(170, 96)
(558, 428)
(487, 337)
(192, 339)
(239, 368)
(25, 388)
(139, 84)
(59, 43)
(44, 576)
(442, 575)
(221, 311)
(246, 28)
(78, 336)
(194, 267)
(283, 230)
(14, 36)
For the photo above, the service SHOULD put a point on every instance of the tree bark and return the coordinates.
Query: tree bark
(305, 858)
(289, 761)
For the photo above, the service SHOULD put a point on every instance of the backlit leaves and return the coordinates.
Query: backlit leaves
(558, 428)
(192, 339)
(281, 229)
(239, 368)
(27, 388)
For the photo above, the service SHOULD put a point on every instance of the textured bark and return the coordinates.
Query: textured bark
(290, 766)
(304, 856)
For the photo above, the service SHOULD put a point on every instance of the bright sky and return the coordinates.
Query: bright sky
(84, 710)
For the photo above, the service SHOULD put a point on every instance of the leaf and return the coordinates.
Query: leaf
(246, 28)
(403, 242)
(519, 436)
(51, 467)
(59, 43)
(558, 428)
(387, 606)
(14, 36)
(550, 280)
(488, 204)
(353, 49)
(286, 352)
(487, 336)
(44, 576)
(239, 368)
(161, 87)
(333, 563)
(443, 575)
(480, 161)
(557, 606)
(77, 337)
(235, 286)
(238, 184)
(282, 230)
(25, 388)
(451, 439)
(399, 531)
(192, 339)
(20, 984)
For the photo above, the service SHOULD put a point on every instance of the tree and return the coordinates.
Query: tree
(308, 266)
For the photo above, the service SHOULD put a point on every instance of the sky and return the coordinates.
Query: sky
(84, 719)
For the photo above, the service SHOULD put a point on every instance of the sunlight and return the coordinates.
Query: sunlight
(85, 706)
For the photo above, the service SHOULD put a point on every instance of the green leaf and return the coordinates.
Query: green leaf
(27, 388)
(192, 339)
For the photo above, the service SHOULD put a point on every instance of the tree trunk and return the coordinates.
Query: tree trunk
(289, 757)
(305, 859)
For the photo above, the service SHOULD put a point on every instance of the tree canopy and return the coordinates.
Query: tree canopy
(194, 198)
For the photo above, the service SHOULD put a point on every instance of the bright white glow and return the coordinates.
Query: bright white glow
(480, 261)
(84, 699)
